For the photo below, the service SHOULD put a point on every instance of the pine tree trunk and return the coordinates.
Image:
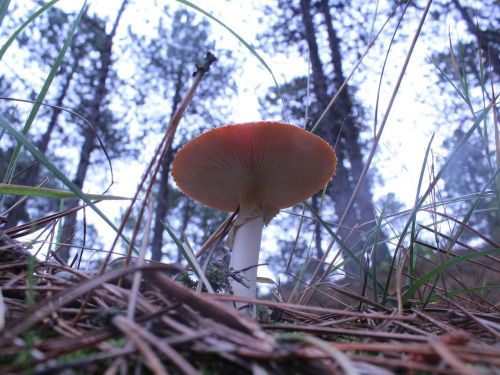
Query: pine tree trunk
(317, 229)
(364, 209)
(161, 209)
(162, 199)
(68, 231)
(329, 129)
(339, 122)
(31, 178)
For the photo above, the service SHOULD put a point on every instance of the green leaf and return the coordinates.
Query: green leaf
(454, 293)
(443, 267)
(31, 191)
(265, 280)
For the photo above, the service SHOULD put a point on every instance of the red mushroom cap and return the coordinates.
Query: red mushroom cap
(272, 164)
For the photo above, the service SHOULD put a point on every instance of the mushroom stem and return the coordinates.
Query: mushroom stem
(246, 248)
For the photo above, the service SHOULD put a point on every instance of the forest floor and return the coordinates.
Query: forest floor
(56, 320)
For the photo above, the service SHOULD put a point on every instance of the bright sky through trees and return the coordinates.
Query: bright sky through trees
(412, 120)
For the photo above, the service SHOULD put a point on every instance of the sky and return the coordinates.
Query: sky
(412, 120)
(411, 123)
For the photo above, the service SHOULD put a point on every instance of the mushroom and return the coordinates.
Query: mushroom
(258, 168)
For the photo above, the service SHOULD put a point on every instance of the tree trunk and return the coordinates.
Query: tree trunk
(162, 199)
(490, 54)
(186, 218)
(329, 129)
(89, 135)
(31, 178)
(364, 209)
(161, 209)
(339, 123)
(317, 229)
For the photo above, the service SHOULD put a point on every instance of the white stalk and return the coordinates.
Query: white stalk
(246, 248)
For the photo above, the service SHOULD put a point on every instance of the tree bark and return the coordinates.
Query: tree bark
(365, 206)
(161, 209)
(89, 135)
(339, 123)
(364, 203)
(317, 229)
(162, 199)
(329, 128)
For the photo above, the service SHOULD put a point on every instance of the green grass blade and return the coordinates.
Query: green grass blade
(243, 41)
(4, 6)
(332, 233)
(72, 113)
(265, 280)
(3, 311)
(3, 9)
(462, 226)
(448, 79)
(43, 92)
(433, 183)
(471, 210)
(414, 213)
(341, 244)
(412, 220)
(443, 267)
(378, 230)
(457, 292)
(299, 279)
(31, 191)
(190, 258)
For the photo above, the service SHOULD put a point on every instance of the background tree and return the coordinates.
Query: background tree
(167, 62)
(315, 28)
(467, 176)
(482, 23)
(94, 105)
(476, 56)
(45, 38)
